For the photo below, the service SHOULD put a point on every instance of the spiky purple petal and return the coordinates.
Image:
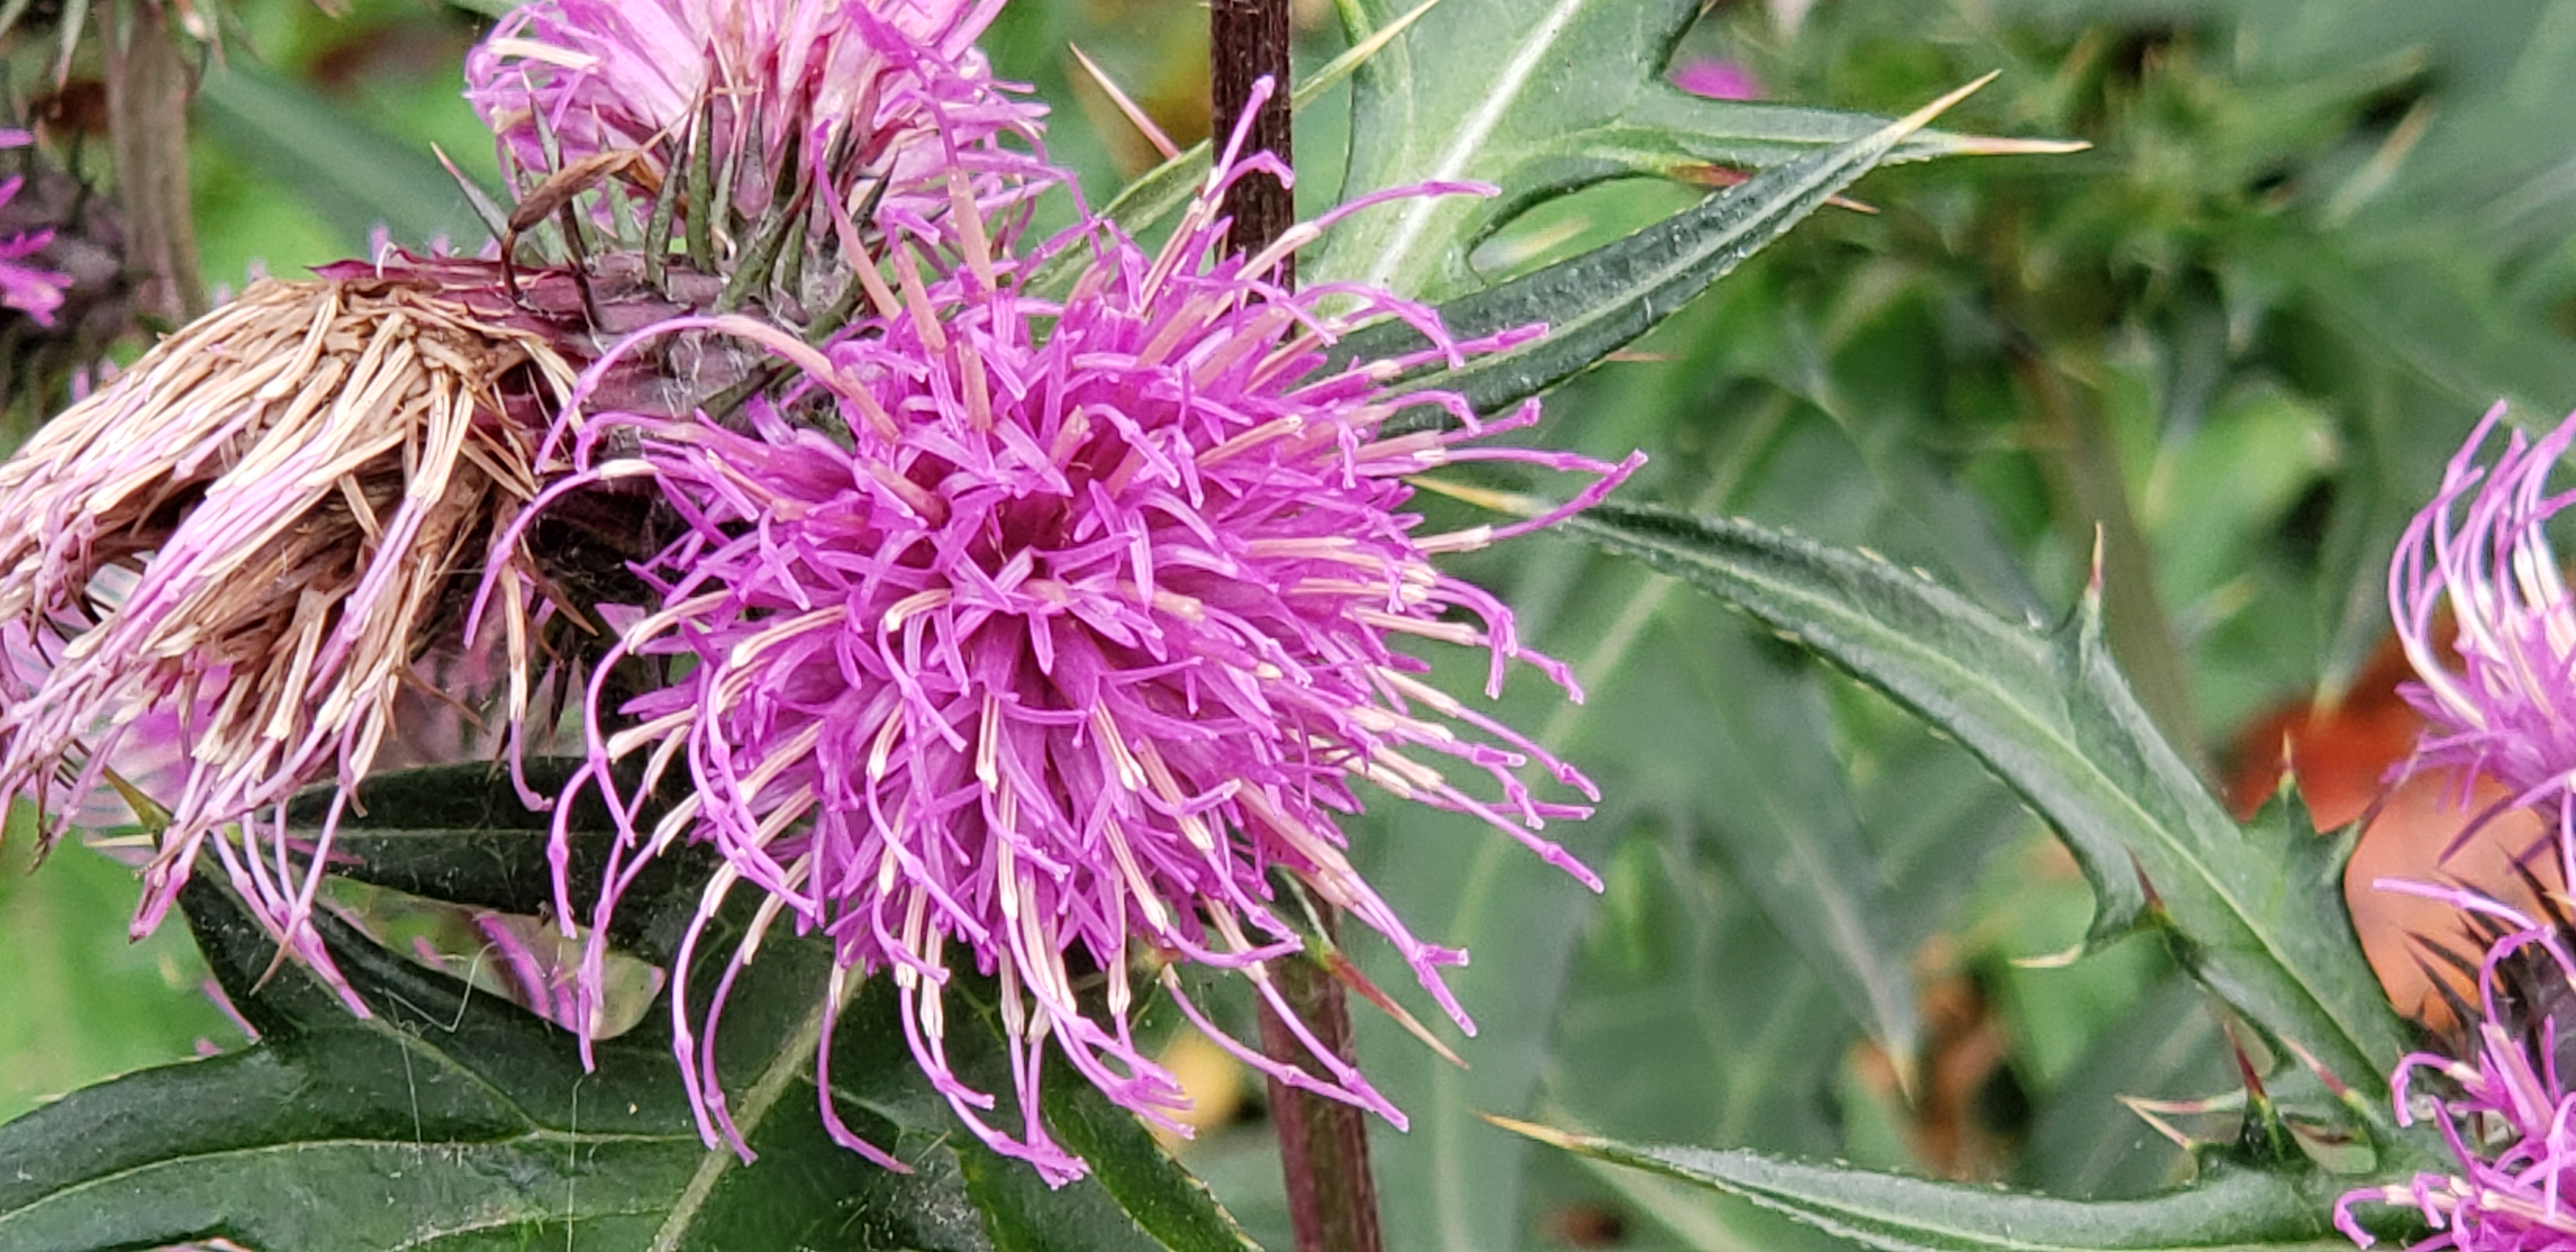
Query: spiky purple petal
(2500, 705)
(1033, 635)
(31, 289)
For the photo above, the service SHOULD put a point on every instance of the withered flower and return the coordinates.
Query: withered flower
(246, 546)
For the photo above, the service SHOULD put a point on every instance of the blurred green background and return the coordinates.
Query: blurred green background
(2231, 343)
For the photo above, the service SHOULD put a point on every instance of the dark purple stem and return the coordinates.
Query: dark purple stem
(1323, 1144)
(1250, 40)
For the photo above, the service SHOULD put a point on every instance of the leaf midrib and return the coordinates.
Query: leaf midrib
(1414, 214)
(2184, 850)
(764, 1095)
(1667, 275)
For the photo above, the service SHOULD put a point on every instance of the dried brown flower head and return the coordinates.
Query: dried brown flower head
(242, 551)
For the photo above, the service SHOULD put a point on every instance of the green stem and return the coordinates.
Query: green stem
(2080, 460)
(2082, 468)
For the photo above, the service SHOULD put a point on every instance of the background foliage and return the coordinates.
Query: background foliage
(2230, 345)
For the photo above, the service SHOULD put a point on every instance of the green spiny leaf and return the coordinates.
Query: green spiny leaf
(2229, 1209)
(1597, 302)
(461, 834)
(1565, 93)
(2052, 717)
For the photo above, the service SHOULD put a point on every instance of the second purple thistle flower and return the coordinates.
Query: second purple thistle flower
(1033, 635)
(2498, 706)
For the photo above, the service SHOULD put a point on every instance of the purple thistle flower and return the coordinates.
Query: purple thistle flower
(2509, 1121)
(1031, 636)
(2482, 548)
(31, 289)
(878, 98)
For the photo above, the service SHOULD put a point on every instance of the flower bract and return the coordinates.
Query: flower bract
(860, 109)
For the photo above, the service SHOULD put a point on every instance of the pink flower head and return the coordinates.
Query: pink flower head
(2508, 1118)
(879, 97)
(2482, 548)
(31, 289)
(1031, 636)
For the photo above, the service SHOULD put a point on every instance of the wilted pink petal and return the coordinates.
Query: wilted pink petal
(226, 568)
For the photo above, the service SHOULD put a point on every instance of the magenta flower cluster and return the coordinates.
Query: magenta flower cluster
(2498, 705)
